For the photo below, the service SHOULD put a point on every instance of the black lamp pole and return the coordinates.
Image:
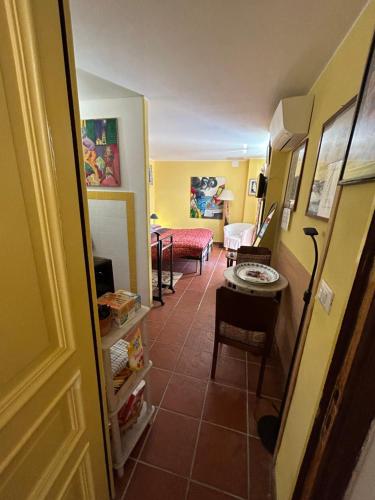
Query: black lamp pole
(269, 425)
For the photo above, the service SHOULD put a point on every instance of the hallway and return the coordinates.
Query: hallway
(203, 444)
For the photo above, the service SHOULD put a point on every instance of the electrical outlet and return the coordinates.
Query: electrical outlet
(325, 296)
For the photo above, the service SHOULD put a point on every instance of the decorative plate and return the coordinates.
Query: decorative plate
(253, 272)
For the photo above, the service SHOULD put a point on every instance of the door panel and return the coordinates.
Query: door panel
(50, 423)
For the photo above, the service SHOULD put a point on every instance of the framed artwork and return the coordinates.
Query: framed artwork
(253, 185)
(101, 152)
(295, 174)
(360, 157)
(150, 175)
(265, 224)
(331, 153)
(204, 201)
(285, 218)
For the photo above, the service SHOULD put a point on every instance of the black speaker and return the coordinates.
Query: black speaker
(103, 276)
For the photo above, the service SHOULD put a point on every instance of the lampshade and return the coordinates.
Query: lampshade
(226, 195)
(153, 216)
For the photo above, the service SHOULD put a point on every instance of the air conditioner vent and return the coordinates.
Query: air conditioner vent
(290, 122)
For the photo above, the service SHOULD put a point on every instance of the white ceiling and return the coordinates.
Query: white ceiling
(213, 70)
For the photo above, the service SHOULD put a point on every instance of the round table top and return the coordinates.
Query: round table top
(248, 287)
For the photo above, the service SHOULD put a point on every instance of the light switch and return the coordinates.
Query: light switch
(325, 296)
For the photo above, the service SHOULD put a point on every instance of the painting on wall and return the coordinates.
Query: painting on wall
(360, 161)
(204, 197)
(295, 175)
(253, 185)
(332, 148)
(150, 176)
(101, 152)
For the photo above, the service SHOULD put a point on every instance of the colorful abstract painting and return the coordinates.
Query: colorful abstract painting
(100, 152)
(204, 197)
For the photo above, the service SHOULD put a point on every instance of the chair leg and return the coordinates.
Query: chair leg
(214, 359)
(261, 375)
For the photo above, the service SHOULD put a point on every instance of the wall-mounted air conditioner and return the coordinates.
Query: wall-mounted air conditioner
(290, 122)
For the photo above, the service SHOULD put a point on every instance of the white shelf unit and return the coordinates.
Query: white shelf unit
(124, 441)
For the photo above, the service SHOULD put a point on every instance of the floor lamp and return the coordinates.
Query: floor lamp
(226, 196)
(269, 425)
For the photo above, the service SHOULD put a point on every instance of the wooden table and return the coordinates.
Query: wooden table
(231, 256)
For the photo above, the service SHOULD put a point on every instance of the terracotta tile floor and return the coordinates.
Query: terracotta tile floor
(203, 443)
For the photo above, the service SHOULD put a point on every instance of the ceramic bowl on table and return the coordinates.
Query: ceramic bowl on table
(253, 272)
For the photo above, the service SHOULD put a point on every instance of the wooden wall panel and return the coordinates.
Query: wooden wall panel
(292, 301)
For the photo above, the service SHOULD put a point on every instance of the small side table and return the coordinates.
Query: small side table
(231, 256)
(253, 288)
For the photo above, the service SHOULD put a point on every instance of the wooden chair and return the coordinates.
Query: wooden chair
(247, 322)
(261, 255)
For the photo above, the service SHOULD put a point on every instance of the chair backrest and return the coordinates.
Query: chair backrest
(236, 227)
(250, 312)
(261, 255)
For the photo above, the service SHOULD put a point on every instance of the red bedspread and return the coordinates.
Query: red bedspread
(189, 242)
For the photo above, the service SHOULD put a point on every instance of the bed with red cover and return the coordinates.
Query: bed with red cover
(193, 244)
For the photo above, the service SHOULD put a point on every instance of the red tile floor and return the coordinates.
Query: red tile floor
(203, 443)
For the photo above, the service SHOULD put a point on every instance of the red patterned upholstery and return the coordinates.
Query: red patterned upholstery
(188, 243)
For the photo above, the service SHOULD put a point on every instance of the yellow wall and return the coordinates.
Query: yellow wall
(172, 192)
(250, 202)
(338, 83)
(275, 182)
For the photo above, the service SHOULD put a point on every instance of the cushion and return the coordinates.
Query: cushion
(251, 338)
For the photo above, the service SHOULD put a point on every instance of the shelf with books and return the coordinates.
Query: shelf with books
(130, 437)
(126, 364)
(117, 333)
(118, 399)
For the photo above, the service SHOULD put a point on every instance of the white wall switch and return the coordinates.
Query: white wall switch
(325, 296)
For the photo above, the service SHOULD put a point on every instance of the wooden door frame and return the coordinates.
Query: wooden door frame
(339, 430)
(71, 88)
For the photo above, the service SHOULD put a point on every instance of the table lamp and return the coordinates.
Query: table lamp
(226, 196)
(153, 219)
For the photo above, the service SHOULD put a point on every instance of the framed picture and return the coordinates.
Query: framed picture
(253, 185)
(332, 148)
(204, 197)
(150, 175)
(265, 224)
(285, 218)
(294, 178)
(359, 165)
(268, 154)
(101, 152)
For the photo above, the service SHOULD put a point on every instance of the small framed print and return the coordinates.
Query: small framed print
(268, 154)
(150, 176)
(295, 175)
(285, 219)
(332, 148)
(253, 185)
(359, 165)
